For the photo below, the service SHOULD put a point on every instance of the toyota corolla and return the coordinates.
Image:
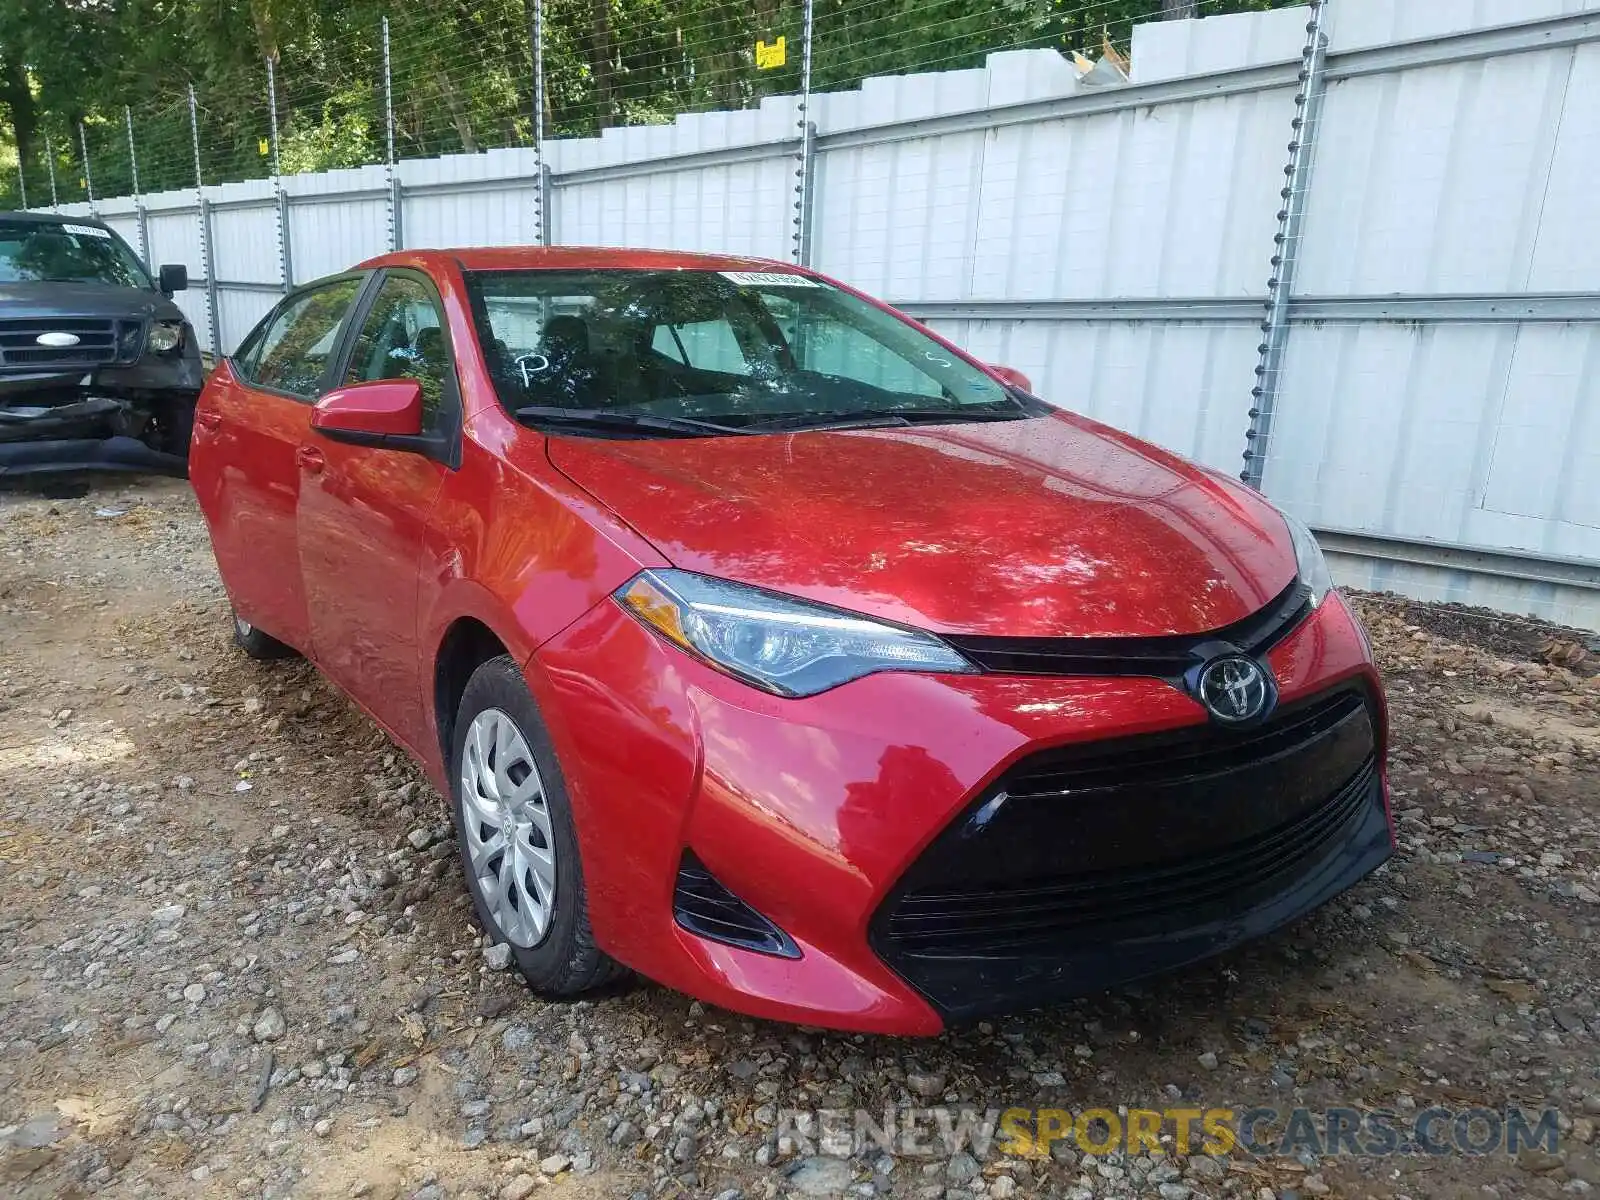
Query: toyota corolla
(768, 645)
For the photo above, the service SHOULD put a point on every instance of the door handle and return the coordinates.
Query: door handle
(208, 418)
(310, 458)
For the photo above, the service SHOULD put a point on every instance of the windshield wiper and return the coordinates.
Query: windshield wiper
(609, 418)
(973, 413)
(886, 418)
(822, 422)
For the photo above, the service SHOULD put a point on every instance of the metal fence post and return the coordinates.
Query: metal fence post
(801, 247)
(138, 203)
(286, 240)
(206, 268)
(547, 209)
(88, 179)
(50, 161)
(396, 196)
(280, 198)
(1291, 218)
(541, 191)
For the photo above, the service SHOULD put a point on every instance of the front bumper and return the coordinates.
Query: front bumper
(132, 417)
(837, 815)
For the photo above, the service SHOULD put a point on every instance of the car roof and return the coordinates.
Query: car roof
(578, 258)
(44, 218)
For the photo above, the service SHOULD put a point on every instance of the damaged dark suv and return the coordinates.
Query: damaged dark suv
(99, 370)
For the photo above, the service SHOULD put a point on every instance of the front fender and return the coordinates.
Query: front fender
(506, 546)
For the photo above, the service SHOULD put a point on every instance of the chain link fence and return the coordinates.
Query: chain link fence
(434, 79)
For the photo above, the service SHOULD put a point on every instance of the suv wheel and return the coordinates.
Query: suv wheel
(515, 833)
(174, 426)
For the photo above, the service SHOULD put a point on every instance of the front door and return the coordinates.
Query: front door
(254, 419)
(363, 512)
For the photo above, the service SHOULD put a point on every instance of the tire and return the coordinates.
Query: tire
(175, 426)
(261, 646)
(557, 956)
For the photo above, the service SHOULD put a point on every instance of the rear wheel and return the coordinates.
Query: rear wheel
(516, 837)
(256, 644)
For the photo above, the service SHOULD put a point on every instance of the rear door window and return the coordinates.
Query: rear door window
(292, 350)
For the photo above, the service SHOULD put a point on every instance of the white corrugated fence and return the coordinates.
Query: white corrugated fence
(1437, 413)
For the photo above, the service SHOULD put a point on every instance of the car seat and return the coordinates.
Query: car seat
(397, 359)
(570, 377)
(428, 347)
(565, 341)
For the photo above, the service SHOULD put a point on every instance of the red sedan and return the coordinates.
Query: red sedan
(767, 644)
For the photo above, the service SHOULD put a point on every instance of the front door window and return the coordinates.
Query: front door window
(403, 337)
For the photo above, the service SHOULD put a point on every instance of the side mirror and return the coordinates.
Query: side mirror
(384, 412)
(1012, 376)
(172, 277)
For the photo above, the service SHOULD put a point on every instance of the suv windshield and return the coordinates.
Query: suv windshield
(701, 351)
(41, 252)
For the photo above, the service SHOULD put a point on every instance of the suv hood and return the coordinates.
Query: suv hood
(1050, 527)
(45, 300)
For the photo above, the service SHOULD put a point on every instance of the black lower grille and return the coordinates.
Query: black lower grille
(1126, 903)
(705, 907)
(1103, 851)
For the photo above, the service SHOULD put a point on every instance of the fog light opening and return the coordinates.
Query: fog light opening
(703, 906)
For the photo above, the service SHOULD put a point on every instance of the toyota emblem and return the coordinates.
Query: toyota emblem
(1235, 690)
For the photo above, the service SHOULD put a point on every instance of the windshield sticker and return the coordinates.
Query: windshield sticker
(86, 230)
(768, 279)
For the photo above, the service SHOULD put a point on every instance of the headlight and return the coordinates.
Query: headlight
(1313, 567)
(164, 336)
(783, 645)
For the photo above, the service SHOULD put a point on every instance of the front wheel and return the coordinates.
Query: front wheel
(173, 427)
(515, 832)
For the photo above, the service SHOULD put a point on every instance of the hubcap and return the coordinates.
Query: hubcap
(245, 628)
(510, 845)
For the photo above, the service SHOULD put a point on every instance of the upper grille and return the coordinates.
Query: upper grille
(100, 340)
(1163, 657)
(1183, 756)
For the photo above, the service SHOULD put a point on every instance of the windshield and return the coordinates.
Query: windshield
(739, 349)
(33, 252)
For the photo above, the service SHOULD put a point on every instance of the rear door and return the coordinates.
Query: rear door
(364, 510)
(250, 432)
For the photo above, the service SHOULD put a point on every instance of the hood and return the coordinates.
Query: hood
(42, 300)
(1050, 527)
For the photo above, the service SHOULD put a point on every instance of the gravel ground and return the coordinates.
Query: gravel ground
(236, 957)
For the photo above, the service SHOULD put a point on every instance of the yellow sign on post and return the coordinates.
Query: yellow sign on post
(768, 57)
(265, 148)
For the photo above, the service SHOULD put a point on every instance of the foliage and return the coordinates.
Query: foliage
(72, 72)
